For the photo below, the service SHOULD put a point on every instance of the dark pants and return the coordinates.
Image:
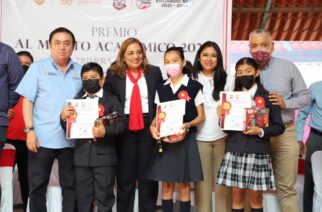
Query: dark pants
(313, 144)
(135, 151)
(95, 184)
(22, 163)
(39, 168)
(3, 135)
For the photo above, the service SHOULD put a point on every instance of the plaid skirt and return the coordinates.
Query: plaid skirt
(247, 171)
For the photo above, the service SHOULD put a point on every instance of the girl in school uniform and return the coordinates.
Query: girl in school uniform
(180, 162)
(247, 165)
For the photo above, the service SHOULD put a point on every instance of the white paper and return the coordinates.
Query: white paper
(81, 125)
(170, 117)
(234, 104)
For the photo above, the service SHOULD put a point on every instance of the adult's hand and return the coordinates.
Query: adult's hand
(302, 149)
(277, 100)
(32, 141)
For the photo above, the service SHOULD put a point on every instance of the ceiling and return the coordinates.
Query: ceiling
(293, 20)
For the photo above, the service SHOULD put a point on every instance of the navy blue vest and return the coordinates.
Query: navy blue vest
(193, 87)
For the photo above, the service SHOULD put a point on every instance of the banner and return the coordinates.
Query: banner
(100, 26)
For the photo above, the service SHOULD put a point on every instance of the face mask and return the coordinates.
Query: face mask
(25, 68)
(173, 70)
(246, 81)
(91, 85)
(261, 57)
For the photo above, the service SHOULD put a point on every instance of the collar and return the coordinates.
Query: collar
(184, 81)
(268, 64)
(252, 90)
(99, 94)
(69, 64)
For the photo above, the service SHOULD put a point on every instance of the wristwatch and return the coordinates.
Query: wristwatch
(28, 129)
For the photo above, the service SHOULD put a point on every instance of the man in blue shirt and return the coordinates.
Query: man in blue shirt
(46, 87)
(314, 142)
(11, 73)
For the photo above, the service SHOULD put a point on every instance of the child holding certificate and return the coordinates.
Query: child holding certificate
(95, 159)
(247, 165)
(180, 162)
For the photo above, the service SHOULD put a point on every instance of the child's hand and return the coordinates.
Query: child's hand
(154, 132)
(10, 114)
(254, 131)
(220, 111)
(67, 112)
(98, 130)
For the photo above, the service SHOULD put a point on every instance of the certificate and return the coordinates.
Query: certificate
(80, 125)
(234, 104)
(169, 118)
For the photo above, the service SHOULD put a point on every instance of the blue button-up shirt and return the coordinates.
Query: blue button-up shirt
(315, 108)
(49, 89)
(11, 73)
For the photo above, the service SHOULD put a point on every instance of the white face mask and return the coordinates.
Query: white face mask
(173, 70)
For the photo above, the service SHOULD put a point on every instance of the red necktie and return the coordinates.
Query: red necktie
(136, 121)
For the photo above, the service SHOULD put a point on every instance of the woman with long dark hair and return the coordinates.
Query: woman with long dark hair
(210, 138)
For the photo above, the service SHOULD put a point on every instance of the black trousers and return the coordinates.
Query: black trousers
(313, 144)
(135, 151)
(39, 169)
(95, 184)
(22, 163)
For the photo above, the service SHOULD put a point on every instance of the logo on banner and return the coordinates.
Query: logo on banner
(66, 2)
(143, 4)
(119, 4)
(39, 1)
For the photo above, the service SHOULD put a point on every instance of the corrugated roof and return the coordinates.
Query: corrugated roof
(295, 20)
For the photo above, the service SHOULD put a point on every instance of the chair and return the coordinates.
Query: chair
(317, 178)
(7, 161)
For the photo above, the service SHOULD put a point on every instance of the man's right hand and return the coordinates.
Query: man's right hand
(32, 141)
(302, 149)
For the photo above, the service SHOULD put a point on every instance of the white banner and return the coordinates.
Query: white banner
(100, 26)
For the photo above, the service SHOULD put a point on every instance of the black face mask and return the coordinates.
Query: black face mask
(246, 81)
(91, 85)
(25, 68)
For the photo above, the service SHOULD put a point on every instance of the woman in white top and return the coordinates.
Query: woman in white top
(210, 138)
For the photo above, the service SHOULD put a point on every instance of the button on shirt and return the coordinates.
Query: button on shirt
(315, 108)
(284, 78)
(49, 89)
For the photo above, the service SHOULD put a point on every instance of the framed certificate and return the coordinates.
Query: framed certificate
(234, 104)
(80, 125)
(169, 118)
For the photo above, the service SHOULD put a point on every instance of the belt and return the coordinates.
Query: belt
(315, 131)
(288, 124)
